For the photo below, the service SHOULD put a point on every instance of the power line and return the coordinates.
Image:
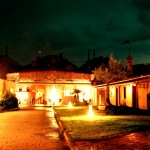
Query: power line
(125, 42)
(116, 45)
(140, 39)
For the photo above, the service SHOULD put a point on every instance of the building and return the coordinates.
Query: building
(46, 87)
(133, 92)
(7, 65)
(52, 79)
(51, 62)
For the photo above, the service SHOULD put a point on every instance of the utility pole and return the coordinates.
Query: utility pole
(94, 53)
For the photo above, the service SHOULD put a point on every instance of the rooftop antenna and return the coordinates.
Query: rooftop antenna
(128, 47)
(128, 60)
(128, 42)
(94, 53)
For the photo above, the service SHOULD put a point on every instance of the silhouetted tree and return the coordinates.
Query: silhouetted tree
(76, 96)
(114, 71)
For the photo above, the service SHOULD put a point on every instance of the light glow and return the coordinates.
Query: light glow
(70, 105)
(86, 93)
(90, 112)
(54, 95)
(129, 88)
(11, 90)
(23, 98)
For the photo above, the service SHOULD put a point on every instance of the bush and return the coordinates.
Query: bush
(8, 101)
(125, 110)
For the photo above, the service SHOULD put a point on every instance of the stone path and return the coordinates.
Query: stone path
(32, 128)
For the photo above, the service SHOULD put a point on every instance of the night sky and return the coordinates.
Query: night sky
(29, 27)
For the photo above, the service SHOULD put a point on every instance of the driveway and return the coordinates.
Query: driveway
(30, 128)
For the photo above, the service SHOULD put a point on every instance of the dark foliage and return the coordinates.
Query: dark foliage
(125, 110)
(9, 101)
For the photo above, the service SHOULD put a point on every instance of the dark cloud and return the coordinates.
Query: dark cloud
(144, 17)
(64, 38)
(93, 34)
(143, 8)
(142, 4)
(73, 26)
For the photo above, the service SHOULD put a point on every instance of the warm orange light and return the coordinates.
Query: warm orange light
(86, 93)
(11, 90)
(129, 89)
(23, 97)
(90, 112)
(0, 95)
(70, 105)
(53, 95)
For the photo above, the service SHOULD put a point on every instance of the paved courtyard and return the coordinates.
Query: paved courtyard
(32, 128)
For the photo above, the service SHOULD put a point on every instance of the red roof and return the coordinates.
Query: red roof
(45, 76)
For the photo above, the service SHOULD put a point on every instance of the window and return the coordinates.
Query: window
(20, 89)
(68, 92)
(28, 89)
(124, 91)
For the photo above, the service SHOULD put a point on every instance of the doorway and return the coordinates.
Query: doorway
(39, 96)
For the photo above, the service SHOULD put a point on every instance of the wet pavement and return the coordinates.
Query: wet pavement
(31, 128)
(132, 141)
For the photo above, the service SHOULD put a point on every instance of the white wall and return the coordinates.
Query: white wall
(143, 90)
(112, 94)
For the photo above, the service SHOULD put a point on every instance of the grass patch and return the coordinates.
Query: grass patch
(82, 127)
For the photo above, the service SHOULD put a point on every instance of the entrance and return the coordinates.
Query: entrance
(101, 97)
(39, 96)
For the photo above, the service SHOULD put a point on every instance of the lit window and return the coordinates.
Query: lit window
(68, 92)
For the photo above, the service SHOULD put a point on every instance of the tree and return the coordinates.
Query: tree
(8, 101)
(107, 74)
(76, 92)
(76, 96)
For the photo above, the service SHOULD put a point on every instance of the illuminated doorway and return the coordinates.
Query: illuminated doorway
(39, 97)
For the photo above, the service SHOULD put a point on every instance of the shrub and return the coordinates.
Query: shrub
(8, 101)
(125, 110)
